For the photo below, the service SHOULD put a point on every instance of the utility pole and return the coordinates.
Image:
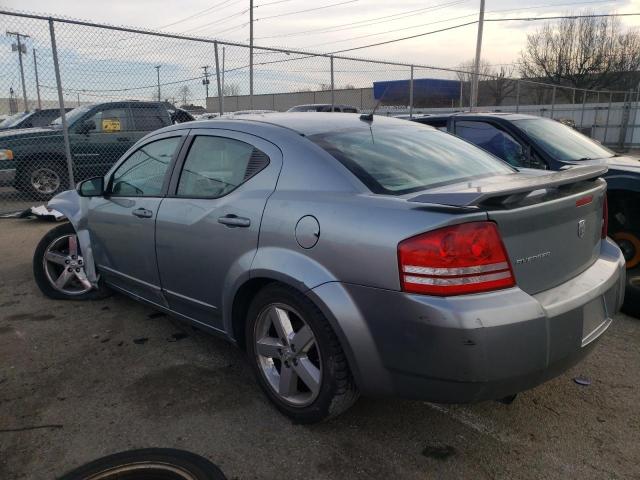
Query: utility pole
(157, 67)
(78, 98)
(223, 69)
(205, 82)
(251, 54)
(21, 49)
(476, 65)
(35, 66)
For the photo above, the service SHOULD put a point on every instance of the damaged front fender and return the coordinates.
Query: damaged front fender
(76, 209)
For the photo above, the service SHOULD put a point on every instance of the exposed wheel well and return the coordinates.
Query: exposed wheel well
(240, 307)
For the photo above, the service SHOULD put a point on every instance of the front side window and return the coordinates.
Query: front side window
(216, 165)
(394, 159)
(562, 142)
(143, 173)
(493, 140)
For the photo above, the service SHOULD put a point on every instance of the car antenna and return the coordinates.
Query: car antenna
(368, 117)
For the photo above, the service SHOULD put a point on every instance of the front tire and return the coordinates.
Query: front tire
(58, 267)
(296, 357)
(41, 181)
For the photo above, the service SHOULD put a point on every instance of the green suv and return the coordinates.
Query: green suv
(33, 160)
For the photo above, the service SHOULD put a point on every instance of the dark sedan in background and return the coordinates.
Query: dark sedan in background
(525, 141)
(34, 118)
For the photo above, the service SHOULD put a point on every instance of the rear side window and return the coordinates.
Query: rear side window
(493, 140)
(440, 124)
(216, 166)
(402, 159)
(149, 117)
(44, 118)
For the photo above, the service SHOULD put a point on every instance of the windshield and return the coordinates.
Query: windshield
(562, 142)
(73, 115)
(400, 159)
(13, 120)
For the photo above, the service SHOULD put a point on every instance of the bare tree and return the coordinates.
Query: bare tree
(494, 86)
(591, 52)
(185, 94)
(231, 89)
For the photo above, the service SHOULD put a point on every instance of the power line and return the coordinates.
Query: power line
(560, 17)
(392, 31)
(271, 3)
(441, 21)
(337, 27)
(215, 22)
(307, 10)
(201, 12)
(405, 38)
(388, 18)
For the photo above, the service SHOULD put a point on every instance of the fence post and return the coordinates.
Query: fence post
(625, 118)
(220, 92)
(517, 95)
(411, 94)
(606, 127)
(584, 101)
(553, 101)
(63, 115)
(333, 99)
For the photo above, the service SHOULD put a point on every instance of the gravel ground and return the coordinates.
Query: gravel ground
(75, 385)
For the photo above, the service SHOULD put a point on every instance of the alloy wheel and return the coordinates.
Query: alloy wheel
(45, 181)
(288, 355)
(64, 266)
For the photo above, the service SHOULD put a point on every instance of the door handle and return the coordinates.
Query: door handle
(234, 221)
(142, 213)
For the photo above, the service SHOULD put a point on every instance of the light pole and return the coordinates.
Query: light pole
(251, 54)
(21, 49)
(35, 66)
(157, 67)
(476, 65)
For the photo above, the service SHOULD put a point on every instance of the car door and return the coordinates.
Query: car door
(495, 140)
(207, 230)
(122, 223)
(100, 139)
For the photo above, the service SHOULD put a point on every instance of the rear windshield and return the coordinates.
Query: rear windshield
(400, 159)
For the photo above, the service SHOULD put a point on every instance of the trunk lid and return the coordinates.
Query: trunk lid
(550, 223)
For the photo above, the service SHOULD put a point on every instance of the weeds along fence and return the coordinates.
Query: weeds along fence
(115, 78)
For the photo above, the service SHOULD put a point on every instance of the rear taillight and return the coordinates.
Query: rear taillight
(605, 217)
(456, 260)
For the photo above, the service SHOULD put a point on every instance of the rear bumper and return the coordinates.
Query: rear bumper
(474, 347)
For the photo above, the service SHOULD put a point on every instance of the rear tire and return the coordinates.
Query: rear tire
(57, 273)
(309, 382)
(148, 463)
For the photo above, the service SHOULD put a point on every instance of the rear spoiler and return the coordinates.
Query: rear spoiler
(522, 186)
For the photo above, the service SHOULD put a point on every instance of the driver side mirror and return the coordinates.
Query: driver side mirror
(86, 126)
(93, 187)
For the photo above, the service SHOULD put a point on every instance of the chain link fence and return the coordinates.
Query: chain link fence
(104, 87)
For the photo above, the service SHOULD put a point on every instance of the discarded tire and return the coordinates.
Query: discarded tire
(148, 464)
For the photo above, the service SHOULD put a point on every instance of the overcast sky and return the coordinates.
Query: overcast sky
(502, 42)
(101, 64)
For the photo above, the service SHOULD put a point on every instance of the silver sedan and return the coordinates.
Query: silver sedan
(349, 255)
